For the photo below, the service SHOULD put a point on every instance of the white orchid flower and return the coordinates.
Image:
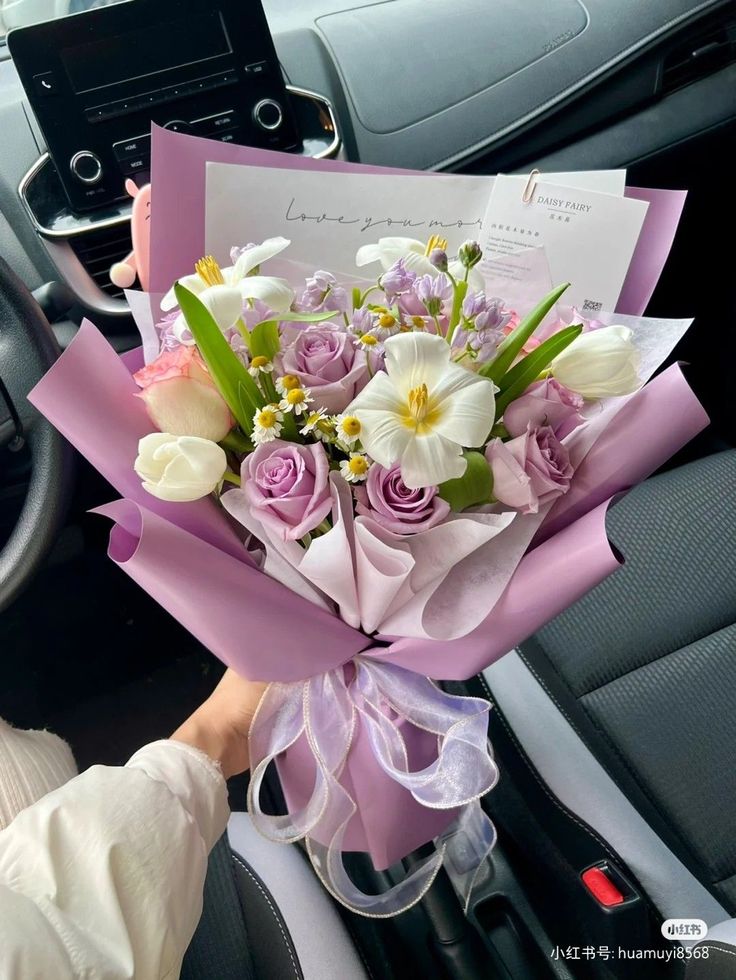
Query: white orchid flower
(223, 291)
(416, 258)
(423, 410)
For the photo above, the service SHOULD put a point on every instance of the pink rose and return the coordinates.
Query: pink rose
(181, 398)
(326, 361)
(286, 486)
(387, 499)
(529, 471)
(545, 403)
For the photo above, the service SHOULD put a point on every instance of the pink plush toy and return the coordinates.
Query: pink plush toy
(123, 274)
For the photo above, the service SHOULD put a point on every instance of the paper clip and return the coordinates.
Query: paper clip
(530, 187)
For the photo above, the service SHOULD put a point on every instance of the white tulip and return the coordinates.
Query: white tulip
(179, 468)
(422, 410)
(599, 364)
(416, 258)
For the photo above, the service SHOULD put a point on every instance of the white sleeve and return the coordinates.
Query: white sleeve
(103, 877)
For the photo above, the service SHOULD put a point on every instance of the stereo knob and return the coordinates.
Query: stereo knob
(86, 167)
(268, 114)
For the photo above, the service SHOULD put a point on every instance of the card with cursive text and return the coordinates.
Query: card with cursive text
(247, 204)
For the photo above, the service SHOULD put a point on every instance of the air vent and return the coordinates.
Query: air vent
(98, 250)
(701, 56)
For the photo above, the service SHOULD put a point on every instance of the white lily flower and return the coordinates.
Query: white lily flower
(423, 410)
(416, 258)
(223, 291)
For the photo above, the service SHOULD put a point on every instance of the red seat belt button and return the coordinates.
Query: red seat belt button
(602, 888)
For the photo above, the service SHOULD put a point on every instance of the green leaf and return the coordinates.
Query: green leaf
(229, 373)
(264, 340)
(521, 375)
(473, 487)
(307, 317)
(357, 297)
(510, 348)
(461, 291)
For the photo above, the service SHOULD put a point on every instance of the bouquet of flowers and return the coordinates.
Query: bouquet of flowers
(347, 489)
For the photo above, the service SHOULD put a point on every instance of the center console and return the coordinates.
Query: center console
(97, 80)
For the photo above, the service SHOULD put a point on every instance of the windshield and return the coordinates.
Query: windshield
(20, 13)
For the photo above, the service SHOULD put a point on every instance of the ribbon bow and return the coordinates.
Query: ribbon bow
(327, 710)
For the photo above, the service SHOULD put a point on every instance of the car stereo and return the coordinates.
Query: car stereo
(97, 80)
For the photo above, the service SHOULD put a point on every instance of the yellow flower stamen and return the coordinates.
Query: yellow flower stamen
(418, 322)
(436, 241)
(418, 399)
(259, 361)
(420, 414)
(209, 271)
(266, 418)
(296, 396)
(358, 465)
(350, 425)
(290, 382)
(369, 340)
(386, 320)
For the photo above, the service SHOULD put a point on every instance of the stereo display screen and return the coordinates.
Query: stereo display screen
(140, 53)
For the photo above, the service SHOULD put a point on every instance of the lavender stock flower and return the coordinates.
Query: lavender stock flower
(323, 292)
(432, 292)
(397, 279)
(438, 258)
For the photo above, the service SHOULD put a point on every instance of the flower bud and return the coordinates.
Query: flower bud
(179, 468)
(599, 364)
(470, 253)
(438, 258)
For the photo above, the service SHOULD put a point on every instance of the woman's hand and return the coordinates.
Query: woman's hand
(220, 726)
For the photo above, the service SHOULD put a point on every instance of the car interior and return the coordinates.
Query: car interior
(613, 727)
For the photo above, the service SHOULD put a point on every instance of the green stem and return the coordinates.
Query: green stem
(269, 388)
(236, 442)
(289, 428)
(230, 477)
(243, 331)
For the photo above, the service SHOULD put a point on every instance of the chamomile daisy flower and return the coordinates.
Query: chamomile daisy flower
(386, 325)
(260, 365)
(318, 425)
(267, 424)
(295, 400)
(370, 343)
(287, 382)
(355, 469)
(347, 429)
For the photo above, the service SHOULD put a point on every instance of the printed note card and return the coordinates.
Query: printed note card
(589, 237)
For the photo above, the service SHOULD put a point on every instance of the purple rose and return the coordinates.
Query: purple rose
(327, 362)
(387, 499)
(286, 487)
(530, 470)
(545, 403)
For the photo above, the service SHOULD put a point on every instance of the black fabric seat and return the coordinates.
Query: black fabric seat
(616, 722)
(650, 659)
(266, 916)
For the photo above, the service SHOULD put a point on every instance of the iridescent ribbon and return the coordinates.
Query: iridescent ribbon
(326, 709)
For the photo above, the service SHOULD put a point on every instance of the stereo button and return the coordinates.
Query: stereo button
(268, 114)
(86, 167)
(257, 68)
